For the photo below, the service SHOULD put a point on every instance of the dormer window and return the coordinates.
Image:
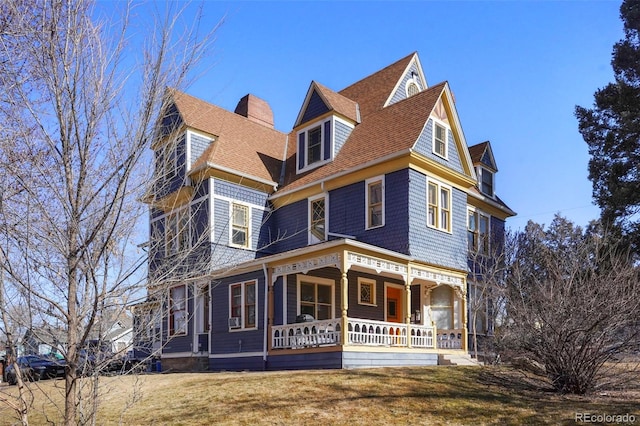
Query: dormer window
(439, 140)
(314, 145)
(486, 181)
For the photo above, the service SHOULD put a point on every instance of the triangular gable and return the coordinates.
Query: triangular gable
(320, 100)
(412, 74)
(483, 153)
(444, 112)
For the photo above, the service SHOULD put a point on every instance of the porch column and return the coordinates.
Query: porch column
(465, 336)
(407, 292)
(344, 305)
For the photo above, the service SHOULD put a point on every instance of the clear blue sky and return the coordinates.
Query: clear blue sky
(517, 69)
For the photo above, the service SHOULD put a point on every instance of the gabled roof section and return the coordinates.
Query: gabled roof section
(394, 129)
(320, 99)
(373, 92)
(241, 146)
(482, 153)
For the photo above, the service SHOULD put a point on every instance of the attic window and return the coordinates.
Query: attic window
(314, 145)
(486, 182)
(412, 89)
(439, 140)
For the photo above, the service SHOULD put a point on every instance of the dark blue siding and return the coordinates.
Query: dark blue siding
(252, 363)
(182, 343)
(347, 213)
(292, 291)
(432, 245)
(290, 226)
(278, 292)
(224, 341)
(315, 108)
(323, 360)
(301, 150)
(327, 140)
(424, 146)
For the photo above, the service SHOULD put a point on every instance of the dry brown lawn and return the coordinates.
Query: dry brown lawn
(426, 395)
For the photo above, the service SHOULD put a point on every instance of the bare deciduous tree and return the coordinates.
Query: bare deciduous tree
(573, 304)
(80, 104)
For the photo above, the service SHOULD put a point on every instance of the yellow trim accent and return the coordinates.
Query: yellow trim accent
(432, 168)
(175, 199)
(209, 172)
(488, 208)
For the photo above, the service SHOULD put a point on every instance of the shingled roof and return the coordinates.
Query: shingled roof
(394, 129)
(373, 91)
(339, 103)
(240, 143)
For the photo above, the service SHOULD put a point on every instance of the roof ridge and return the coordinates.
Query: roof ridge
(380, 70)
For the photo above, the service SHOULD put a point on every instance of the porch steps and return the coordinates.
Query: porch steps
(456, 359)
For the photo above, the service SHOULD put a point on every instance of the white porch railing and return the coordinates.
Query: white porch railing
(359, 332)
(450, 339)
(380, 333)
(306, 334)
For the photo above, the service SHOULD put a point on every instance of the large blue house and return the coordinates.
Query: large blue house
(341, 244)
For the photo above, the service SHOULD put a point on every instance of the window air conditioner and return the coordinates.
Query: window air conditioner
(234, 322)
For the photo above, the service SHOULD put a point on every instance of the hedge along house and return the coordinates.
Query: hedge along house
(341, 244)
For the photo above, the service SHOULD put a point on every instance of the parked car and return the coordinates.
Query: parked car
(35, 367)
(97, 357)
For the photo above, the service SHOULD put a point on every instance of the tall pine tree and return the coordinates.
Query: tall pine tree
(611, 128)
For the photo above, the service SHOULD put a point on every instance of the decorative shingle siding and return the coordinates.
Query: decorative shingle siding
(223, 340)
(315, 108)
(198, 146)
(347, 213)
(425, 147)
(239, 192)
(401, 92)
(290, 226)
(432, 245)
(221, 222)
(341, 134)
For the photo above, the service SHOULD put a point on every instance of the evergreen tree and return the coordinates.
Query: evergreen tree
(611, 128)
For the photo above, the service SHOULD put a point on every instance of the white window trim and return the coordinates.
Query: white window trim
(480, 213)
(363, 280)
(188, 153)
(448, 229)
(243, 293)
(249, 233)
(322, 161)
(412, 80)
(446, 138)
(316, 280)
(480, 172)
(183, 210)
(186, 313)
(366, 201)
(311, 238)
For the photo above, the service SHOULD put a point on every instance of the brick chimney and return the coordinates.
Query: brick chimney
(255, 109)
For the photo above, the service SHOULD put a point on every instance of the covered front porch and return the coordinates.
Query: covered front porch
(356, 299)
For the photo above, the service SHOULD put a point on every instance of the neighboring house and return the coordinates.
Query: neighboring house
(341, 244)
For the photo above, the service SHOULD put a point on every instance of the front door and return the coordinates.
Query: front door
(394, 304)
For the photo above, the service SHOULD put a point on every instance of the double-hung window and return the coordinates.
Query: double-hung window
(478, 231)
(177, 232)
(178, 310)
(317, 220)
(239, 225)
(486, 181)
(439, 139)
(375, 202)
(314, 145)
(242, 305)
(438, 206)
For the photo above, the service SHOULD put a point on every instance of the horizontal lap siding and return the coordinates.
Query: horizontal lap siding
(253, 363)
(306, 361)
(387, 359)
(292, 291)
(224, 341)
(182, 343)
